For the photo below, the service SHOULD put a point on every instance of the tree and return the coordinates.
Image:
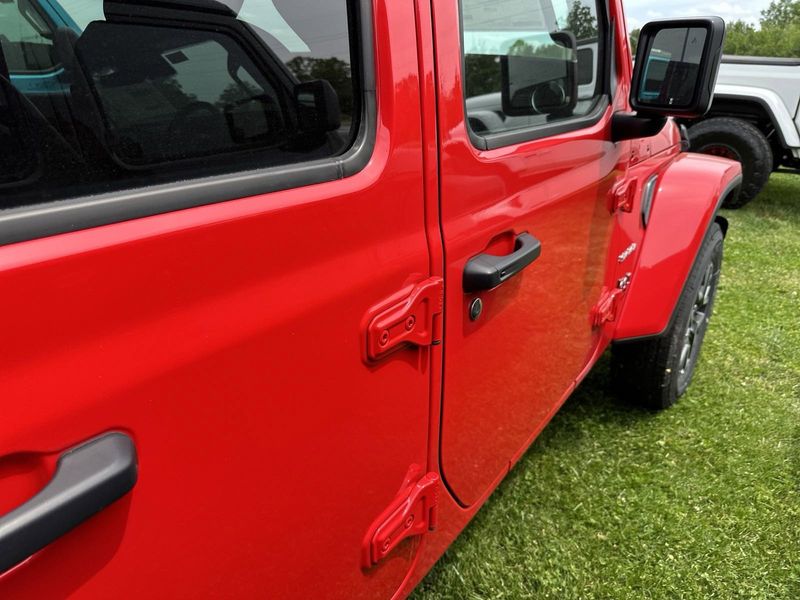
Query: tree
(781, 14)
(581, 22)
(334, 70)
(777, 34)
(634, 40)
(521, 48)
(740, 38)
(236, 92)
(482, 74)
(770, 40)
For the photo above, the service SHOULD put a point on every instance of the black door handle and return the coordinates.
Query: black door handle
(88, 478)
(486, 271)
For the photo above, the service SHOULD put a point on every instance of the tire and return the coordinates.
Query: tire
(655, 372)
(738, 140)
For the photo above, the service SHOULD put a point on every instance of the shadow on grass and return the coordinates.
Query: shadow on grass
(780, 199)
(592, 404)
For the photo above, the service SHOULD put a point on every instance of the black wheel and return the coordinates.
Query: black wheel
(657, 371)
(737, 140)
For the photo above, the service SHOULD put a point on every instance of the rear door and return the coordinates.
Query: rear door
(193, 253)
(525, 201)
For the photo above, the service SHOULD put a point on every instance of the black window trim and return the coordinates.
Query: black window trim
(501, 139)
(64, 216)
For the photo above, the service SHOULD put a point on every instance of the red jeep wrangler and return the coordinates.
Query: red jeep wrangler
(290, 285)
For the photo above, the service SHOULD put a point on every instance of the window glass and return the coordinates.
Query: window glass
(99, 97)
(530, 62)
(24, 37)
(17, 165)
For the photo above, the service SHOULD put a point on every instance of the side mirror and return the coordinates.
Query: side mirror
(543, 80)
(676, 66)
(318, 109)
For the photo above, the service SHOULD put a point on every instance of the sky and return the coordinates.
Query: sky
(639, 12)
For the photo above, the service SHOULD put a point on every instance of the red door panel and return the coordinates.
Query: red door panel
(227, 341)
(506, 372)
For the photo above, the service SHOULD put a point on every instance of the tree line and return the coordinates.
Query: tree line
(778, 33)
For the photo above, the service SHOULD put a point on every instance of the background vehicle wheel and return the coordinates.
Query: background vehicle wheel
(738, 140)
(656, 372)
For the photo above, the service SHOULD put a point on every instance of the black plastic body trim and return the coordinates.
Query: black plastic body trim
(647, 199)
(493, 141)
(62, 216)
(631, 126)
(730, 188)
(773, 61)
(487, 271)
(88, 478)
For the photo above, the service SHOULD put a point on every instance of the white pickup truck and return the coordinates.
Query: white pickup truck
(755, 119)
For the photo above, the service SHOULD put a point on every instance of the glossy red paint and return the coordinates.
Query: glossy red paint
(680, 218)
(645, 159)
(232, 341)
(415, 319)
(499, 382)
(226, 340)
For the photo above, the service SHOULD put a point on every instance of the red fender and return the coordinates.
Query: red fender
(688, 195)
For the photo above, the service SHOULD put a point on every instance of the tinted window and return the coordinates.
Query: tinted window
(145, 92)
(530, 62)
(25, 37)
(18, 163)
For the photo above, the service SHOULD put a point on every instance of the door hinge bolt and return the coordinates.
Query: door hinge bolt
(607, 308)
(415, 320)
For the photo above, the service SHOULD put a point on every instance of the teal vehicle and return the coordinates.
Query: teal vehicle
(28, 45)
(654, 75)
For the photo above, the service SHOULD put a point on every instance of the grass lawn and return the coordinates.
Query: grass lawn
(700, 501)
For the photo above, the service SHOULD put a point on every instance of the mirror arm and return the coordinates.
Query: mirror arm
(628, 126)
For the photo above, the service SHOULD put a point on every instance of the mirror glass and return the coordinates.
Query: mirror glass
(670, 76)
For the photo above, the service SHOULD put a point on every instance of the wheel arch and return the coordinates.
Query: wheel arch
(756, 106)
(722, 222)
(688, 196)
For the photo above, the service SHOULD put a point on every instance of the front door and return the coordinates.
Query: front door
(526, 177)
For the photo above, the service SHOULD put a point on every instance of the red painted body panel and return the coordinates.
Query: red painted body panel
(685, 202)
(226, 340)
(453, 517)
(500, 383)
(231, 342)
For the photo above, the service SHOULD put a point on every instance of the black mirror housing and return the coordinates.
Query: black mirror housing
(318, 109)
(676, 66)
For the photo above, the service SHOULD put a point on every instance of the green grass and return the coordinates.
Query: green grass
(700, 501)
